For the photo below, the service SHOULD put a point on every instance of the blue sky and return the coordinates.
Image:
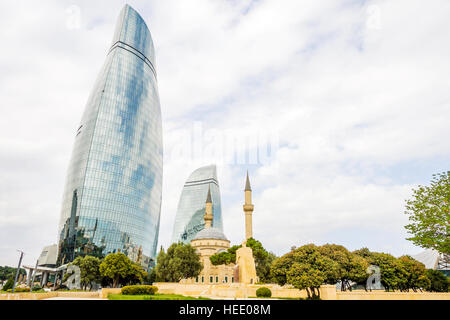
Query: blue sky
(354, 97)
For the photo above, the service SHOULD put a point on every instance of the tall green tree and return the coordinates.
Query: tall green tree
(429, 213)
(8, 272)
(117, 267)
(136, 275)
(89, 269)
(263, 258)
(351, 267)
(416, 274)
(225, 257)
(393, 273)
(151, 276)
(305, 268)
(180, 262)
(402, 273)
(9, 284)
(438, 281)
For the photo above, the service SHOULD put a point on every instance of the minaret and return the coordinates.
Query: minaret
(248, 209)
(208, 210)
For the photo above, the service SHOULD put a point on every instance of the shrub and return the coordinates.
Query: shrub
(263, 292)
(37, 287)
(17, 290)
(8, 285)
(139, 290)
(438, 281)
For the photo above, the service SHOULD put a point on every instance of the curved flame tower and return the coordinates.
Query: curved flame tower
(191, 207)
(112, 196)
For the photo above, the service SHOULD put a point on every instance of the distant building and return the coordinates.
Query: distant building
(48, 256)
(112, 195)
(434, 260)
(191, 207)
(45, 268)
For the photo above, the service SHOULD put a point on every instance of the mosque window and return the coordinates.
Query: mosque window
(217, 279)
(203, 279)
(226, 279)
(232, 279)
(211, 279)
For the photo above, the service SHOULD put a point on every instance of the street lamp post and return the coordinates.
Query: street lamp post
(34, 274)
(17, 271)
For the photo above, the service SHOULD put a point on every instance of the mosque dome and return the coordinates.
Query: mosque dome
(210, 233)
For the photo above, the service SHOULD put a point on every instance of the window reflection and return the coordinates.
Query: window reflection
(112, 196)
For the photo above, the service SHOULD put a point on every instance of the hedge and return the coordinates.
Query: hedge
(264, 292)
(19, 289)
(37, 287)
(139, 290)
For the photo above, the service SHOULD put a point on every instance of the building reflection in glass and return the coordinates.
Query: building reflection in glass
(191, 207)
(112, 196)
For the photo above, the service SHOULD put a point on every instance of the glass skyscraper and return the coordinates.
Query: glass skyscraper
(191, 208)
(112, 195)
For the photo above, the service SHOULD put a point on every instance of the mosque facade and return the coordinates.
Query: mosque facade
(212, 240)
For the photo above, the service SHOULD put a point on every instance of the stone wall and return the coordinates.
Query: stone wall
(327, 292)
(51, 294)
(105, 291)
(228, 291)
(382, 295)
(238, 291)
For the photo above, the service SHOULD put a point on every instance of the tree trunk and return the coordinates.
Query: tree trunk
(349, 286)
(307, 291)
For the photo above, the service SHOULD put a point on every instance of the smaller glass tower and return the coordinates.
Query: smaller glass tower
(191, 208)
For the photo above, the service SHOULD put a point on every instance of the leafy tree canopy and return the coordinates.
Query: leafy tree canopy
(351, 267)
(89, 269)
(9, 284)
(180, 262)
(120, 269)
(401, 274)
(305, 268)
(263, 258)
(8, 272)
(429, 213)
(438, 281)
(416, 276)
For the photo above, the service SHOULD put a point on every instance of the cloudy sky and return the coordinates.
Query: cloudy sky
(352, 98)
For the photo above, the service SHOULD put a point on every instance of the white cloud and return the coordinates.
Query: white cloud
(351, 92)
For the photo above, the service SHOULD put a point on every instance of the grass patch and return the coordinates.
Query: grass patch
(39, 291)
(153, 297)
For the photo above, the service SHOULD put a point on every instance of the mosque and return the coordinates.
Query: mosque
(210, 241)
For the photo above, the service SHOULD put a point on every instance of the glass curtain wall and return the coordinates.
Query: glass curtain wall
(191, 207)
(112, 196)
